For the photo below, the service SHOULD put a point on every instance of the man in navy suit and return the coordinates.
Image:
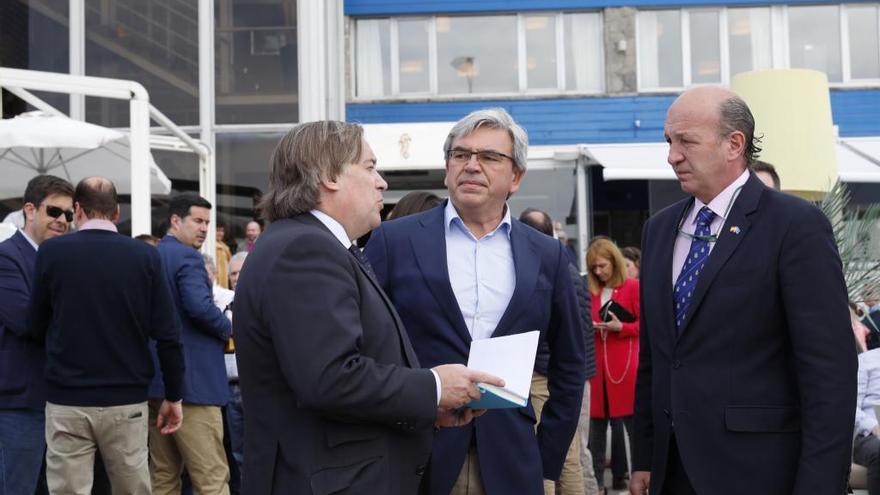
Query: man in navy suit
(48, 212)
(466, 270)
(198, 445)
(747, 369)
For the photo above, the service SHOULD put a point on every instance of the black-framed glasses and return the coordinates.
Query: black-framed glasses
(55, 212)
(485, 157)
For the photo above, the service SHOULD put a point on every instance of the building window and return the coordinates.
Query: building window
(748, 34)
(660, 40)
(462, 55)
(814, 39)
(863, 27)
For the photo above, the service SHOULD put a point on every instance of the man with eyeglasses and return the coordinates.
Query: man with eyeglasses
(466, 270)
(48, 203)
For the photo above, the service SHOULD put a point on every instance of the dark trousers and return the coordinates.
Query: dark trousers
(598, 435)
(676, 481)
(866, 452)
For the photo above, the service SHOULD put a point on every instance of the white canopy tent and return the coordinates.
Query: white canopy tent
(19, 82)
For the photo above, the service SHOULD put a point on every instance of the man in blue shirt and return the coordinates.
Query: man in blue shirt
(199, 444)
(48, 212)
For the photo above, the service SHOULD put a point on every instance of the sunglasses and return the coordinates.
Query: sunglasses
(55, 212)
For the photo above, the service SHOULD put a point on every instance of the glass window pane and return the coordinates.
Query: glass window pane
(814, 39)
(660, 64)
(476, 54)
(154, 43)
(373, 78)
(749, 39)
(864, 45)
(413, 59)
(256, 71)
(540, 51)
(705, 47)
(583, 52)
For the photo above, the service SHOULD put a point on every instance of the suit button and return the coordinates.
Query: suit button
(420, 471)
(676, 364)
(666, 412)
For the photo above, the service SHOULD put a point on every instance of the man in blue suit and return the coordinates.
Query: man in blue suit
(747, 366)
(48, 211)
(466, 270)
(198, 445)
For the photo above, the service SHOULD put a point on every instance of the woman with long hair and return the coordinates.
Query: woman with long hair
(615, 313)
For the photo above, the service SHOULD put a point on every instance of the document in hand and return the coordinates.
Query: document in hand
(511, 358)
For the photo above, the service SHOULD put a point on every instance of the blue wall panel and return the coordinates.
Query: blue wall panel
(412, 7)
(620, 119)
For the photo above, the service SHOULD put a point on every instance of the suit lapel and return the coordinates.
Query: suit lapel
(668, 234)
(526, 264)
(734, 230)
(429, 251)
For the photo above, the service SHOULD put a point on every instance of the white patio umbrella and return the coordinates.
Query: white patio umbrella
(36, 143)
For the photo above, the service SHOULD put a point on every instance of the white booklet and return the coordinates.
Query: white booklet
(511, 358)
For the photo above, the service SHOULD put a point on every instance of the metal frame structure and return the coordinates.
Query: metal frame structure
(19, 82)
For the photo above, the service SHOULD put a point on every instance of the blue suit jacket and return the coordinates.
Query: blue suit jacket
(22, 383)
(761, 380)
(409, 258)
(204, 327)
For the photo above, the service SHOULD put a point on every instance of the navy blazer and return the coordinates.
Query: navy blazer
(761, 380)
(22, 383)
(409, 258)
(205, 329)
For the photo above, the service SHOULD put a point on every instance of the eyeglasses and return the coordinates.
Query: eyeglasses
(484, 157)
(55, 212)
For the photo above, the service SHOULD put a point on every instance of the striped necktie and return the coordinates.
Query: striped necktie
(362, 259)
(693, 265)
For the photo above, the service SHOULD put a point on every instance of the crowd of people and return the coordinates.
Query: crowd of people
(304, 363)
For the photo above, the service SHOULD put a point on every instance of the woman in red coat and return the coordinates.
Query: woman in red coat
(612, 390)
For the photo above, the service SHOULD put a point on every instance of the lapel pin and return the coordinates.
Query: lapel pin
(734, 230)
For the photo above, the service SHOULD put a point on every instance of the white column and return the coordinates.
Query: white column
(77, 54)
(207, 168)
(583, 211)
(335, 43)
(312, 52)
(140, 165)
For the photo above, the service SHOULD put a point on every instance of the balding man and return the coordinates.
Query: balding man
(99, 297)
(747, 369)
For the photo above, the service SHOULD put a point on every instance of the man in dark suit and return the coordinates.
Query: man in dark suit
(48, 203)
(747, 367)
(97, 316)
(198, 446)
(466, 270)
(335, 399)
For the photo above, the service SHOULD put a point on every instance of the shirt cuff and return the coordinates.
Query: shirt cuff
(439, 388)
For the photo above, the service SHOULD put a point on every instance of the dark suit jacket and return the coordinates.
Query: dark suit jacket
(326, 371)
(409, 256)
(760, 383)
(22, 383)
(205, 329)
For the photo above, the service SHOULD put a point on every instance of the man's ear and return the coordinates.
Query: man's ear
(330, 184)
(174, 221)
(29, 210)
(115, 217)
(737, 143)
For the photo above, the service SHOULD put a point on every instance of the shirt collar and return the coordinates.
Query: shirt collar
(451, 217)
(98, 224)
(30, 241)
(335, 227)
(720, 205)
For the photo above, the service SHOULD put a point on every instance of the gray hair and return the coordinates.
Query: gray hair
(734, 115)
(308, 154)
(493, 118)
(241, 255)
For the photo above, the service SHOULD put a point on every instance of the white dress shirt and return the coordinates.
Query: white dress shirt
(481, 272)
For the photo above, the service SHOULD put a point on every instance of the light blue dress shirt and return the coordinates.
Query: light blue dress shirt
(868, 391)
(481, 272)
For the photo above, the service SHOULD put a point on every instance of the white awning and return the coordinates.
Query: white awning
(858, 160)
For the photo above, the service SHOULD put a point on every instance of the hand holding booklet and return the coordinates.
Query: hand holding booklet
(511, 358)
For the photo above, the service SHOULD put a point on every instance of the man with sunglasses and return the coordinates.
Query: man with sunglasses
(48, 203)
(466, 270)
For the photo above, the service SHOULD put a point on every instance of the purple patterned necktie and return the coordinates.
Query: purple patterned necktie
(693, 265)
(362, 259)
